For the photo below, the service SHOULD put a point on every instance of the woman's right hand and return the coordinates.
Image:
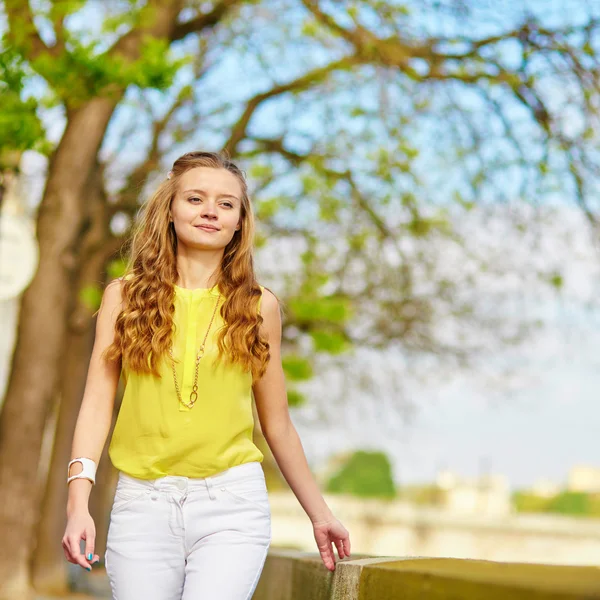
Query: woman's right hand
(80, 526)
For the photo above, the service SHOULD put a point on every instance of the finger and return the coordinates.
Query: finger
(76, 553)
(90, 538)
(327, 555)
(340, 548)
(346, 541)
(66, 551)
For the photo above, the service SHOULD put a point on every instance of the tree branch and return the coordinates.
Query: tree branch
(22, 31)
(238, 131)
(202, 22)
(276, 145)
(57, 16)
(159, 18)
(128, 197)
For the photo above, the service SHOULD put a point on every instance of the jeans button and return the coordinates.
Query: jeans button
(154, 496)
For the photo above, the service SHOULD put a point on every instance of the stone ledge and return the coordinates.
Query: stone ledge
(293, 575)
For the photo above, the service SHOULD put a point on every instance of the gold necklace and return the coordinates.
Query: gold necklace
(199, 355)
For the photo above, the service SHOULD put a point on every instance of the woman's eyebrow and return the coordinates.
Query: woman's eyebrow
(220, 195)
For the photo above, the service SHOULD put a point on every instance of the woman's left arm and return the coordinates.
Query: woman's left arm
(272, 407)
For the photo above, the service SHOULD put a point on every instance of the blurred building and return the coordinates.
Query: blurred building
(545, 488)
(584, 478)
(19, 259)
(486, 495)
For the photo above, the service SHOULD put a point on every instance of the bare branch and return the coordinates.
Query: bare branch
(202, 22)
(238, 131)
(128, 198)
(276, 145)
(396, 52)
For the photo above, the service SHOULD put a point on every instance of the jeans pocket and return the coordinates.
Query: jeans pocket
(252, 493)
(126, 495)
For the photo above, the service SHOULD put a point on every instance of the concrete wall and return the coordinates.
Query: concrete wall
(290, 575)
(397, 529)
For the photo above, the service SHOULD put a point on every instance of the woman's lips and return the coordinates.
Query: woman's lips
(206, 228)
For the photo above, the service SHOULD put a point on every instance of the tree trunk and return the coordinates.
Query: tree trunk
(41, 338)
(49, 563)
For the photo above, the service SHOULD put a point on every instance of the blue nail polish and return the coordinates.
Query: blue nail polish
(90, 556)
(88, 568)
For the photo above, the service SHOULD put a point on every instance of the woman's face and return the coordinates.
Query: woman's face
(207, 197)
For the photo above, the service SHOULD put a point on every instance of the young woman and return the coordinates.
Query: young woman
(195, 336)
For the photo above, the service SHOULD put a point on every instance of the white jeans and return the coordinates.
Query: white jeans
(180, 538)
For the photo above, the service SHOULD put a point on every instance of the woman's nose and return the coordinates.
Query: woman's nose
(208, 209)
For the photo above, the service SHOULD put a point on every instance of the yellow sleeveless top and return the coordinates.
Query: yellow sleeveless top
(155, 435)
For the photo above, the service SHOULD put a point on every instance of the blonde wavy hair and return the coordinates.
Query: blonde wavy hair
(143, 328)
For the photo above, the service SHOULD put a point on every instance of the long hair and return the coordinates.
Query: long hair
(143, 328)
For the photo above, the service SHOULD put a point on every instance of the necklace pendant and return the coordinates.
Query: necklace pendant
(200, 354)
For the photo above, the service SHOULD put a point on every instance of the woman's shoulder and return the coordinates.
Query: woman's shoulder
(268, 301)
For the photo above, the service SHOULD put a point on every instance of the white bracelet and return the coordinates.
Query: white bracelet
(88, 471)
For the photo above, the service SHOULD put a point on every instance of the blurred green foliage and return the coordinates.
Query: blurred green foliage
(91, 297)
(297, 368)
(329, 341)
(365, 474)
(578, 504)
(116, 268)
(330, 309)
(295, 398)
(20, 127)
(84, 72)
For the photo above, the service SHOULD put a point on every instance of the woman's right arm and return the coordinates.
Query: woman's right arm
(93, 423)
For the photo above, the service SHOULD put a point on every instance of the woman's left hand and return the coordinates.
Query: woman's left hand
(328, 532)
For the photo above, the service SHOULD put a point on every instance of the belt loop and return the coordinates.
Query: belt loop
(210, 488)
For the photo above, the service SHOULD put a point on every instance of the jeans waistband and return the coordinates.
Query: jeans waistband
(245, 471)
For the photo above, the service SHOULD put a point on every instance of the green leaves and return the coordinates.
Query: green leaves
(328, 341)
(156, 67)
(565, 502)
(327, 309)
(295, 398)
(267, 208)
(366, 474)
(91, 297)
(297, 368)
(83, 72)
(555, 280)
(329, 208)
(20, 126)
(116, 268)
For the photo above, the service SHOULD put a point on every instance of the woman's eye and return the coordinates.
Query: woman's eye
(224, 203)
